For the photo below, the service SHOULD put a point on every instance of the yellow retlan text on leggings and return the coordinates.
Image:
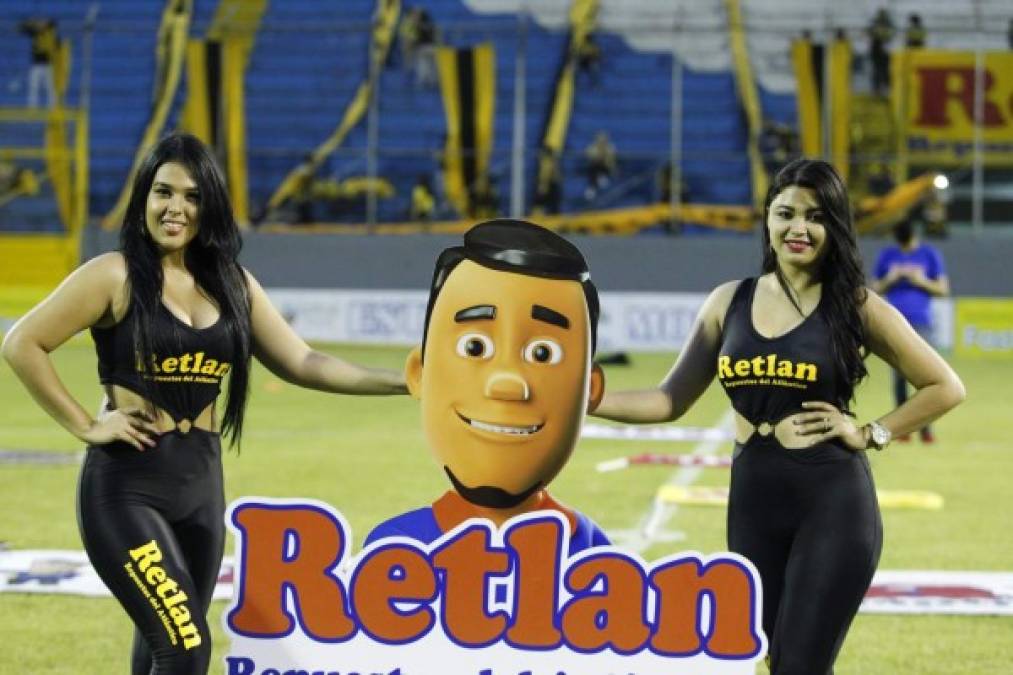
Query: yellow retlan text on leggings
(174, 600)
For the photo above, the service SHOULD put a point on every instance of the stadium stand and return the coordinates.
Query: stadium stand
(309, 59)
(311, 56)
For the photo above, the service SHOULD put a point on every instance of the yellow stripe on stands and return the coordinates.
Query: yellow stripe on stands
(468, 89)
(875, 213)
(871, 212)
(66, 162)
(235, 26)
(61, 70)
(237, 19)
(583, 16)
(234, 103)
(355, 111)
(384, 26)
(178, 27)
(807, 100)
(840, 99)
(58, 165)
(453, 165)
(81, 177)
(484, 68)
(562, 109)
(746, 86)
(196, 116)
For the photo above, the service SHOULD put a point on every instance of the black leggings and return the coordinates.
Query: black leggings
(809, 521)
(152, 526)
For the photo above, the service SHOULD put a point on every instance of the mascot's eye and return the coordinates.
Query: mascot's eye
(543, 351)
(475, 346)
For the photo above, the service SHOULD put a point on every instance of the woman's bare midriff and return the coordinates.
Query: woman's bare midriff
(785, 431)
(120, 397)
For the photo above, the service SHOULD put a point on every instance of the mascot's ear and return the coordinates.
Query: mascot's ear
(596, 387)
(413, 373)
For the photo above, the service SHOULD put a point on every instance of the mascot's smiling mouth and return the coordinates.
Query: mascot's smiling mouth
(507, 429)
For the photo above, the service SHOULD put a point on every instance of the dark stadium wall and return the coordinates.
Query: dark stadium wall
(977, 267)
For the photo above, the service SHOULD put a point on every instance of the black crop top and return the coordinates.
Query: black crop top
(767, 379)
(186, 370)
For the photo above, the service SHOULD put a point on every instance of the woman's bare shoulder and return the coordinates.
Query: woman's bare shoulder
(106, 276)
(715, 307)
(109, 267)
(721, 297)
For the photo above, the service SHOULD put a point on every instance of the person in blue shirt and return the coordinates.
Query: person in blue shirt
(504, 376)
(910, 274)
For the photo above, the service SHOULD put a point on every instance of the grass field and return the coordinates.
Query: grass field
(367, 457)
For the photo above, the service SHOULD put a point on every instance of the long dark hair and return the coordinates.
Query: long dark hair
(840, 271)
(211, 257)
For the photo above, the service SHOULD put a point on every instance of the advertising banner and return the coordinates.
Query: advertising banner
(479, 600)
(984, 327)
(56, 572)
(634, 321)
(643, 322)
(937, 99)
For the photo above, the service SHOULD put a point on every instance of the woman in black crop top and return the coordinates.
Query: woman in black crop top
(172, 313)
(788, 348)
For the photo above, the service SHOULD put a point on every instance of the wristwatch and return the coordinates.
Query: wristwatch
(879, 436)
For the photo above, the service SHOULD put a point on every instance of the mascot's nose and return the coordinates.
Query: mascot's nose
(507, 387)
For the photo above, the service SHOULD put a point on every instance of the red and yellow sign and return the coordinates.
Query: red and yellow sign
(937, 104)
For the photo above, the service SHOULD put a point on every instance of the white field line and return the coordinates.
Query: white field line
(650, 528)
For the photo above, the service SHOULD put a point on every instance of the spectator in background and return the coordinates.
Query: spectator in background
(444, 209)
(300, 204)
(407, 37)
(663, 192)
(549, 191)
(425, 57)
(418, 46)
(881, 31)
(914, 34)
(880, 180)
(933, 214)
(910, 274)
(16, 181)
(423, 204)
(589, 59)
(778, 145)
(45, 42)
(663, 185)
(600, 159)
(484, 197)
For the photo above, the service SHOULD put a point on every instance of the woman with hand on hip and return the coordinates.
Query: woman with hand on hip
(789, 348)
(172, 313)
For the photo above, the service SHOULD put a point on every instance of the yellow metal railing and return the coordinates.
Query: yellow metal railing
(43, 259)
